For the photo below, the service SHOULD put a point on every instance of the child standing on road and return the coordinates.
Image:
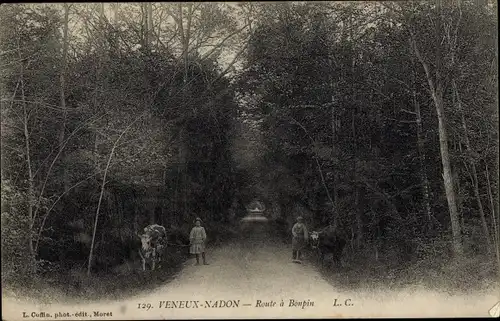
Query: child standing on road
(299, 232)
(197, 239)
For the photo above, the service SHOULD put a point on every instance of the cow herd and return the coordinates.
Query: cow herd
(154, 242)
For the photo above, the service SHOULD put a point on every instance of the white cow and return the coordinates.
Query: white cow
(153, 242)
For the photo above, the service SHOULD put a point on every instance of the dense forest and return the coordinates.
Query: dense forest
(377, 117)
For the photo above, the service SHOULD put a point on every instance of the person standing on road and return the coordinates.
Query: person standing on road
(197, 239)
(299, 232)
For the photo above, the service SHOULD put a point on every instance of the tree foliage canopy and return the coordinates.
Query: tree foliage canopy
(119, 115)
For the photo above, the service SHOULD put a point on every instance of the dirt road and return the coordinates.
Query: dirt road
(254, 277)
(256, 267)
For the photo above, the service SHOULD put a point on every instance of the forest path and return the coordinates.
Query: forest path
(258, 266)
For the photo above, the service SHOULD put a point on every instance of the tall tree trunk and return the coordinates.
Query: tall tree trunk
(96, 220)
(494, 219)
(460, 198)
(149, 12)
(99, 86)
(359, 215)
(147, 23)
(175, 200)
(482, 216)
(185, 189)
(421, 153)
(185, 35)
(335, 156)
(62, 89)
(447, 173)
(335, 166)
(358, 209)
(473, 170)
(183, 42)
(436, 88)
(354, 140)
(31, 189)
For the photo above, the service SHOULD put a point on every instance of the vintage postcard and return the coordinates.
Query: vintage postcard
(248, 160)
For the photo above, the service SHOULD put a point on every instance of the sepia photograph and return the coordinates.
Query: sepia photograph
(249, 160)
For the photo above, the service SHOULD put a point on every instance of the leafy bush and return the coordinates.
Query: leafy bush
(17, 263)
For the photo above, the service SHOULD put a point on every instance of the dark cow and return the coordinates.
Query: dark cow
(328, 241)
